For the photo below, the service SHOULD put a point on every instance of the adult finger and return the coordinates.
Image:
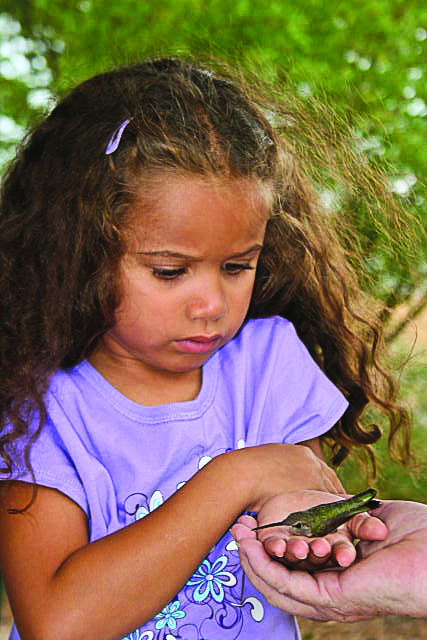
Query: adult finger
(243, 528)
(293, 591)
(367, 527)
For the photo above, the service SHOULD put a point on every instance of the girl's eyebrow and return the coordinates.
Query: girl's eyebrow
(174, 254)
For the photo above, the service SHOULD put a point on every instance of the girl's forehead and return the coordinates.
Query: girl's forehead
(182, 208)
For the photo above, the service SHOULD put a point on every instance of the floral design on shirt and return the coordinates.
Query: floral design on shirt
(169, 615)
(212, 596)
(210, 580)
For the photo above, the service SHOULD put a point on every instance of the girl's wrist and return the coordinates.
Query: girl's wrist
(244, 481)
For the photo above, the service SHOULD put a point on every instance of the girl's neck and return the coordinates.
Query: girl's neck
(158, 390)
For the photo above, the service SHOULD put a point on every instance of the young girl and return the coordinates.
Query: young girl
(157, 238)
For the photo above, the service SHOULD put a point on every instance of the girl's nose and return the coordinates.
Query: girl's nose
(207, 304)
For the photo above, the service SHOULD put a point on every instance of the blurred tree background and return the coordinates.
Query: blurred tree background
(365, 58)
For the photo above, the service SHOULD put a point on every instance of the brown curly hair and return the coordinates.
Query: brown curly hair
(65, 209)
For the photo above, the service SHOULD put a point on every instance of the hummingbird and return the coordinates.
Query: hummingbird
(322, 519)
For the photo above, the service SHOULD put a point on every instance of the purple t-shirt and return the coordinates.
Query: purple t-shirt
(119, 460)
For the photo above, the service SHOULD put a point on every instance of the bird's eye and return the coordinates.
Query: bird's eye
(298, 525)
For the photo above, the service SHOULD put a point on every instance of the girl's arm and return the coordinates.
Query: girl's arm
(60, 586)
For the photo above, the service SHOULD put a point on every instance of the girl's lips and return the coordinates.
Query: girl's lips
(198, 344)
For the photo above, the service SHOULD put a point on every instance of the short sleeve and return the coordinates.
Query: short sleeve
(52, 466)
(286, 396)
(301, 398)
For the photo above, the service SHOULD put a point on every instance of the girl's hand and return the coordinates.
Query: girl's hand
(277, 468)
(335, 549)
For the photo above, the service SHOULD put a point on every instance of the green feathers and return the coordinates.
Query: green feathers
(320, 520)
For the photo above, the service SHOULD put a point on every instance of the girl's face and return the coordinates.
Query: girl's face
(187, 281)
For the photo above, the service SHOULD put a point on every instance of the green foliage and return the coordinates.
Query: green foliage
(365, 58)
(395, 481)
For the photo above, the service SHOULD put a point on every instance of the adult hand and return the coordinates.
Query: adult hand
(388, 578)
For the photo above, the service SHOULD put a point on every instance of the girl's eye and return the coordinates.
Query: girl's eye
(173, 274)
(236, 269)
(168, 274)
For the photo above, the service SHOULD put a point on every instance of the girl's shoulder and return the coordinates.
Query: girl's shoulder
(268, 368)
(67, 381)
(73, 389)
(268, 326)
(262, 335)
(263, 347)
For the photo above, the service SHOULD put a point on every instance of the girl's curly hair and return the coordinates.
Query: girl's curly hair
(66, 208)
